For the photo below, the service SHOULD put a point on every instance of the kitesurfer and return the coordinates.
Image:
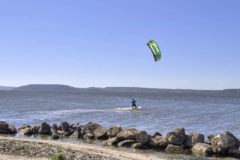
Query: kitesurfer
(134, 106)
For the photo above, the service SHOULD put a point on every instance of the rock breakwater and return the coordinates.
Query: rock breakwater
(176, 141)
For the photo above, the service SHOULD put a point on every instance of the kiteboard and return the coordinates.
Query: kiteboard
(137, 108)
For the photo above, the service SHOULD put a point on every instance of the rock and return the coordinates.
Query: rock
(228, 133)
(202, 149)
(101, 133)
(25, 130)
(54, 129)
(112, 141)
(158, 142)
(44, 128)
(54, 126)
(142, 137)
(113, 131)
(4, 127)
(176, 137)
(180, 131)
(210, 137)
(139, 146)
(35, 129)
(156, 134)
(91, 126)
(173, 149)
(69, 133)
(234, 152)
(125, 143)
(221, 143)
(65, 126)
(89, 135)
(192, 139)
(55, 136)
(12, 129)
(77, 127)
(76, 133)
(129, 134)
(133, 134)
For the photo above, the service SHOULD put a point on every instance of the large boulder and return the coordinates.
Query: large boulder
(113, 131)
(193, 138)
(12, 129)
(35, 129)
(210, 137)
(101, 133)
(129, 134)
(173, 149)
(158, 142)
(25, 130)
(221, 143)
(65, 126)
(63, 133)
(156, 134)
(91, 126)
(54, 129)
(54, 126)
(88, 136)
(176, 137)
(76, 127)
(133, 134)
(44, 128)
(228, 133)
(233, 152)
(3, 127)
(77, 133)
(202, 149)
(125, 143)
(112, 141)
(142, 137)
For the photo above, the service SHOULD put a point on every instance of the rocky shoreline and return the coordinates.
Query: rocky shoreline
(174, 142)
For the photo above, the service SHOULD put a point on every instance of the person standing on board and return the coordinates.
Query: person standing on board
(134, 106)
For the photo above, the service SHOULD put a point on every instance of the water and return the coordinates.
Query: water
(206, 112)
(202, 111)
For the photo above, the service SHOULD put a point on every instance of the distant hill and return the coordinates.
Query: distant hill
(46, 87)
(60, 88)
(5, 88)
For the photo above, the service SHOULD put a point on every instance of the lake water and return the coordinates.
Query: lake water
(206, 112)
(162, 110)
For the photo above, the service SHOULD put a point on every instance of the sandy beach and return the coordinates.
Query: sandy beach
(25, 149)
(11, 157)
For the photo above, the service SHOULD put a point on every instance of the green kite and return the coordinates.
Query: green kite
(155, 50)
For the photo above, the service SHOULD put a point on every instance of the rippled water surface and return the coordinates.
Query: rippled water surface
(162, 110)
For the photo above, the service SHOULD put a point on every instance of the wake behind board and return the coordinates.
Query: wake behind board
(129, 108)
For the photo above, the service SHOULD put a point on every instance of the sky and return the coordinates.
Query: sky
(103, 43)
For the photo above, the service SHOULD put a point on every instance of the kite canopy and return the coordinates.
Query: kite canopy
(155, 50)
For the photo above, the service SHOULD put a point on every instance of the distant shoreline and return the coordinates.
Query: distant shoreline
(62, 87)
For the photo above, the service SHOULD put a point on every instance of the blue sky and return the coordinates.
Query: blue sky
(103, 43)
